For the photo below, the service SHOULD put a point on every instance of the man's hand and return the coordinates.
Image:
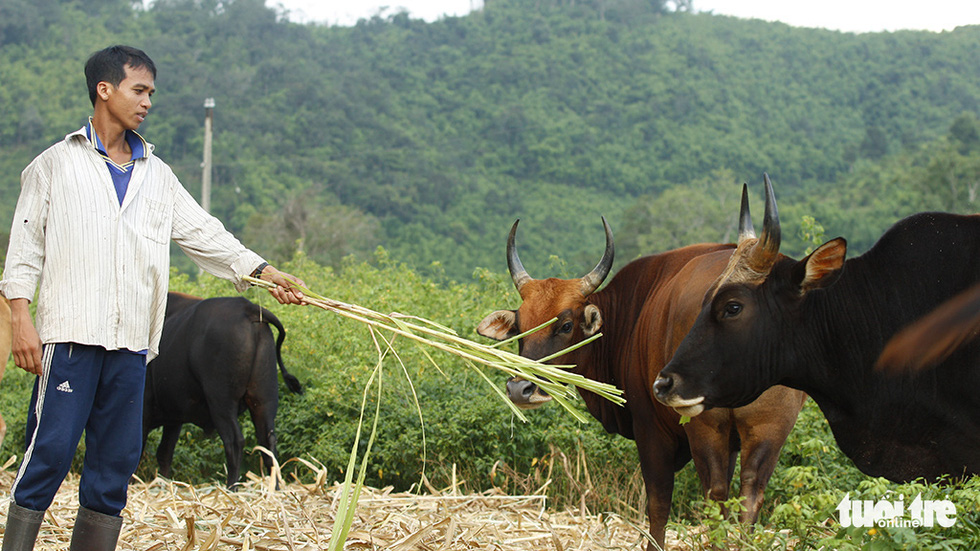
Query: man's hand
(286, 290)
(26, 347)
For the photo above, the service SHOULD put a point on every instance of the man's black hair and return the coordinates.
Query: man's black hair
(109, 65)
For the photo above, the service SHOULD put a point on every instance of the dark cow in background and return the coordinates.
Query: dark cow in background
(820, 324)
(217, 359)
(643, 313)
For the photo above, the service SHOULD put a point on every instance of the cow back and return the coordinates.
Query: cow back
(633, 320)
(211, 351)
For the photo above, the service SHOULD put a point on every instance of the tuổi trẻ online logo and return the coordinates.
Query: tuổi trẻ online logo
(920, 513)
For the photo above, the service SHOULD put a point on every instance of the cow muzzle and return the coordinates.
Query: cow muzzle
(665, 389)
(525, 394)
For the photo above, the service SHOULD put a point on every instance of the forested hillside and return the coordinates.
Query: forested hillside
(430, 139)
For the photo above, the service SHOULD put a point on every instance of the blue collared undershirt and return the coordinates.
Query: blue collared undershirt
(120, 173)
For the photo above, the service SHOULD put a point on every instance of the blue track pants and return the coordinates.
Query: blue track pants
(83, 388)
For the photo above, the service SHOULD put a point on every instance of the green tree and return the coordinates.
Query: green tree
(953, 177)
(706, 210)
(310, 225)
(965, 133)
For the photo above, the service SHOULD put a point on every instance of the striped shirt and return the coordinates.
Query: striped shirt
(101, 268)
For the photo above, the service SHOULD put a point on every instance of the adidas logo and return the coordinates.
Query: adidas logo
(65, 387)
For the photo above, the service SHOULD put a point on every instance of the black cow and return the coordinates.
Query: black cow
(217, 359)
(819, 325)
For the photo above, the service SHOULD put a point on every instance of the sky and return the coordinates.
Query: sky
(842, 15)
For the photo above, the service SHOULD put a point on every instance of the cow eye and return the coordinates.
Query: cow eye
(566, 327)
(732, 309)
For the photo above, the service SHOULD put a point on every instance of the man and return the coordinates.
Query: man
(92, 228)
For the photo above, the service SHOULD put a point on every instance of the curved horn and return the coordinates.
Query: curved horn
(593, 279)
(764, 253)
(517, 271)
(745, 228)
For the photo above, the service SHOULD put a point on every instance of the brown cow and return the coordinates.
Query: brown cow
(644, 313)
(930, 340)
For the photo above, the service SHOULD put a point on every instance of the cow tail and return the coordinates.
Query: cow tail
(292, 383)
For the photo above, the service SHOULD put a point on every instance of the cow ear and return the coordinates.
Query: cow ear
(592, 320)
(500, 325)
(823, 266)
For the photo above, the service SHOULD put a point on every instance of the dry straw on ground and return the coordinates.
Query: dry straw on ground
(171, 516)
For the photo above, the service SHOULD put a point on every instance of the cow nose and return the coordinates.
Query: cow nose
(520, 391)
(663, 385)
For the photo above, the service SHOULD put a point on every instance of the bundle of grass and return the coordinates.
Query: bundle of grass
(557, 380)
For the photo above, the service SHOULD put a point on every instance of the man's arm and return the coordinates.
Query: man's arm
(26, 342)
(286, 291)
(205, 239)
(25, 256)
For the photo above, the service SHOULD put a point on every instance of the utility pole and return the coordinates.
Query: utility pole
(206, 165)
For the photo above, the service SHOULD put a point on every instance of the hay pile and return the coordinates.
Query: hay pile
(164, 515)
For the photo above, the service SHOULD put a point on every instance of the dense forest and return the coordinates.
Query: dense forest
(430, 139)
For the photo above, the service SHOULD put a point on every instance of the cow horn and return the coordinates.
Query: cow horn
(745, 228)
(517, 271)
(593, 279)
(764, 253)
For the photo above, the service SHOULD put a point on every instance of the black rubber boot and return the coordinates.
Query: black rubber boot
(22, 527)
(94, 531)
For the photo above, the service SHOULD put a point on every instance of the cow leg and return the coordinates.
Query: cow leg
(763, 433)
(264, 418)
(763, 427)
(761, 444)
(165, 451)
(758, 462)
(660, 489)
(262, 397)
(234, 442)
(710, 435)
(659, 461)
